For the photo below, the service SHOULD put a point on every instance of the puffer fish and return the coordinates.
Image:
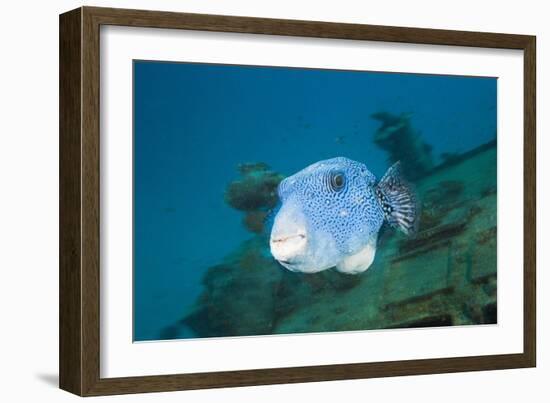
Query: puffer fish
(332, 212)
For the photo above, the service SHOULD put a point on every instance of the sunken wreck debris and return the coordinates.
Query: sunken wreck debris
(254, 193)
(255, 190)
(444, 276)
(402, 143)
(249, 293)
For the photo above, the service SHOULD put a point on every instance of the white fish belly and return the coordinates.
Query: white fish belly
(361, 261)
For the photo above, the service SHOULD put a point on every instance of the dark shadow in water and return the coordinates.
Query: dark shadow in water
(490, 314)
(49, 379)
(435, 321)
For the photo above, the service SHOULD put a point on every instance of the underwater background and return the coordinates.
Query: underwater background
(211, 143)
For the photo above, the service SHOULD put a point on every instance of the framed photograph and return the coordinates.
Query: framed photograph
(249, 201)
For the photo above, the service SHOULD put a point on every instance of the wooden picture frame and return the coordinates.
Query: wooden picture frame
(79, 346)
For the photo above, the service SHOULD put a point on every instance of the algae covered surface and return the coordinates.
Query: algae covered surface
(444, 276)
(213, 142)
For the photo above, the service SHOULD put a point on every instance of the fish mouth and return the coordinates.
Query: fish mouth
(287, 238)
(290, 262)
(293, 265)
(286, 248)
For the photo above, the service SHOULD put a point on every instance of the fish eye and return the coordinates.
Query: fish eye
(337, 181)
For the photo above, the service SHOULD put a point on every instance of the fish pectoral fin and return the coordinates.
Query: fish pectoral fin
(359, 262)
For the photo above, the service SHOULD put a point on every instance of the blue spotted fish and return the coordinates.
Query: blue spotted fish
(331, 214)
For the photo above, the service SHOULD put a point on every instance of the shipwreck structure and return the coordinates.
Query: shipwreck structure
(446, 275)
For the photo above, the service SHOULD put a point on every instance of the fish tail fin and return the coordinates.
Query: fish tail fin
(398, 200)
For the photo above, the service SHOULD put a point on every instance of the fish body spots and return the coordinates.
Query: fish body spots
(337, 207)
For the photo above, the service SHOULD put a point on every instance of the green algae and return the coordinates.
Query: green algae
(444, 276)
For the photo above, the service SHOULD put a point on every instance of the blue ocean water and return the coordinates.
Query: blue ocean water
(195, 123)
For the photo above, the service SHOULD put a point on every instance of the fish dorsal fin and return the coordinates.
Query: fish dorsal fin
(398, 200)
(361, 261)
